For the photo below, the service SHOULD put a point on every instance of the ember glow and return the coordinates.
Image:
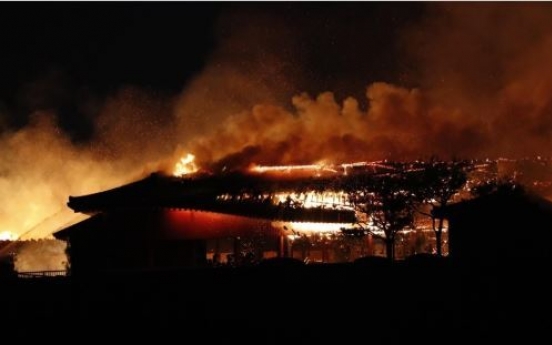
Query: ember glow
(321, 168)
(312, 199)
(290, 168)
(185, 166)
(307, 228)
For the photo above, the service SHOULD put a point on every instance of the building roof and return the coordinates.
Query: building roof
(203, 193)
(507, 227)
(501, 201)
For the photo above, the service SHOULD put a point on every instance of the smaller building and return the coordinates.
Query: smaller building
(507, 226)
(7, 266)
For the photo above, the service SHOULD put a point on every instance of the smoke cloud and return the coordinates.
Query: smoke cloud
(253, 63)
(477, 84)
(399, 124)
(489, 61)
(41, 166)
(483, 91)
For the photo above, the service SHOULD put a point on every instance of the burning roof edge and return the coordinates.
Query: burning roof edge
(200, 194)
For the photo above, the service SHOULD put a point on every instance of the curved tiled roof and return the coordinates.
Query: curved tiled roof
(200, 193)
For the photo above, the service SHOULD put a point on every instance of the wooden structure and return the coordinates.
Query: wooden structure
(503, 227)
(165, 222)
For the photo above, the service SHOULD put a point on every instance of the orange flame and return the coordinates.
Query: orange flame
(320, 167)
(8, 236)
(312, 199)
(185, 166)
(311, 227)
(284, 168)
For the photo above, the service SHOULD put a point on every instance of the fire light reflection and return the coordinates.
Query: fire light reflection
(312, 199)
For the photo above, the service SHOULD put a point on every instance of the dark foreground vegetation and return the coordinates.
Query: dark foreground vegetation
(419, 301)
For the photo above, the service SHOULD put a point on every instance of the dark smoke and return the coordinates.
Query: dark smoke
(483, 76)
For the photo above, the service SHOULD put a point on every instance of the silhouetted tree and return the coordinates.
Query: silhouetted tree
(384, 205)
(439, 182)
(492, 186)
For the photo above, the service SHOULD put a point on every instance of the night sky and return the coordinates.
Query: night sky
(59, 56)
(74, 51)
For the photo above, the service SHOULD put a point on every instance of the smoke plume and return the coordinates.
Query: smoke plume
(473, 80)
(41, 166)
(483, 91)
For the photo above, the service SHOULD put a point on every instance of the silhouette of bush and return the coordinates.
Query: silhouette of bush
(371, 261)
(281, 262)
(425, 259)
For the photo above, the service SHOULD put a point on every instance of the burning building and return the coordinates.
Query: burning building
(191, 220)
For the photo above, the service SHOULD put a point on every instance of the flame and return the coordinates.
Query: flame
(285, 168)
(185, 166)
(320, 167)
(312, 199)
(8, 236)
(308, 227)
